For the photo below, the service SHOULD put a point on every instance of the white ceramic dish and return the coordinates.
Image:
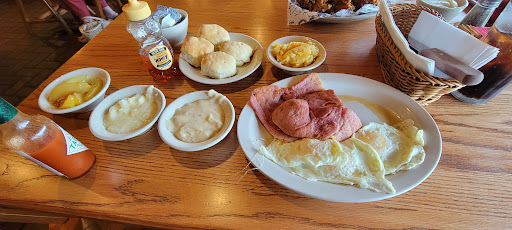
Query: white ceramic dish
(171, 140)
(318, 61)
(168, 113)
(177, 33)
(87, 106)
(96, 119)
(447, 12)
(251, 135)
(346, 19)
(241, 71)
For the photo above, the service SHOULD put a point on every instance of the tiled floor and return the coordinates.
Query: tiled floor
(26, 60)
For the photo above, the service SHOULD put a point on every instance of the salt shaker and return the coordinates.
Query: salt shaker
(480, 13)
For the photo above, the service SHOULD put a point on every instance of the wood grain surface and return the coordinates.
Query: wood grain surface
(145, 182)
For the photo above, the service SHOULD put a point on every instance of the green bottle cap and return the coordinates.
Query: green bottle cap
(7, 111)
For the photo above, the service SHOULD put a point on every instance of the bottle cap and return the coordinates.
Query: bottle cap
(137, 10)
(7, 111)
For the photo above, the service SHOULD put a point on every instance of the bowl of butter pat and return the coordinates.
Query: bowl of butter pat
(196, 121)
(127, 113)
(176, 31)
(78, 91)
(296, 54)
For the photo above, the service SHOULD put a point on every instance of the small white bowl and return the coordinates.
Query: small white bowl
(171, 140)
(177, 33)
(318, 61)
(447, 12)
(97, 126)
(87, 106)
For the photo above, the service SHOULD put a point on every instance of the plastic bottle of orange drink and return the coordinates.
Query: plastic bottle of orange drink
(42, 141)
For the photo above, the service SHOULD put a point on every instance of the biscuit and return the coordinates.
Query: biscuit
(213, 33)
(239, 50)
(193, 50)
(218, 65)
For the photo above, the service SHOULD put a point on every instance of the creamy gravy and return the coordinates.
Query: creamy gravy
(130, 114)
(198, 121)
(384, 114)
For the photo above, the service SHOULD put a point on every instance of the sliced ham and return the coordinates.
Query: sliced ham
(351, 123)
(304, 110)
(263, 101)
(291, 116)
(316, 115)
(309, 84)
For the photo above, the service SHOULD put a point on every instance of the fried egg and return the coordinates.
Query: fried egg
(351, 162)
(362, 160)
(400, 147)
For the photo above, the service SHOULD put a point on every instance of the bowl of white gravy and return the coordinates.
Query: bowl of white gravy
(127, 113)
(196, 121)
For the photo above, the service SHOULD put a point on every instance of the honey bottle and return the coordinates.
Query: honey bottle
(154, 49)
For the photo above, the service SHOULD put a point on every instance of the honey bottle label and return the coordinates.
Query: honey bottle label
(161, 58)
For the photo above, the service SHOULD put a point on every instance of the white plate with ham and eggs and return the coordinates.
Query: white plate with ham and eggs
(317, 158)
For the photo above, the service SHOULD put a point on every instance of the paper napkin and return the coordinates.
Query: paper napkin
(419, 62)
(430, 31)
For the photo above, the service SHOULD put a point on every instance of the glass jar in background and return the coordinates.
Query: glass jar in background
(498, 72)
(480, 13)
(497, 12)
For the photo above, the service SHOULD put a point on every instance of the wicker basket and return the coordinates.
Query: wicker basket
(397, 71)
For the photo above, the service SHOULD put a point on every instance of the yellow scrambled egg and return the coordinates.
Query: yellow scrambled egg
(295, 54)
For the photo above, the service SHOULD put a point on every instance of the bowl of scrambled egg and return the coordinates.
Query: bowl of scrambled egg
(296, 54)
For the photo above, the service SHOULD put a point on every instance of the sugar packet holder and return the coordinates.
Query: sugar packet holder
(167, 16)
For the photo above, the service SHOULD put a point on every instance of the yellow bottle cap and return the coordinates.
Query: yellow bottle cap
(136, 10)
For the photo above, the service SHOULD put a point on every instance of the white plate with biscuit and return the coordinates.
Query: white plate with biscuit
(241, 71)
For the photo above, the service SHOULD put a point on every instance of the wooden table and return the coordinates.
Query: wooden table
(145, 182)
